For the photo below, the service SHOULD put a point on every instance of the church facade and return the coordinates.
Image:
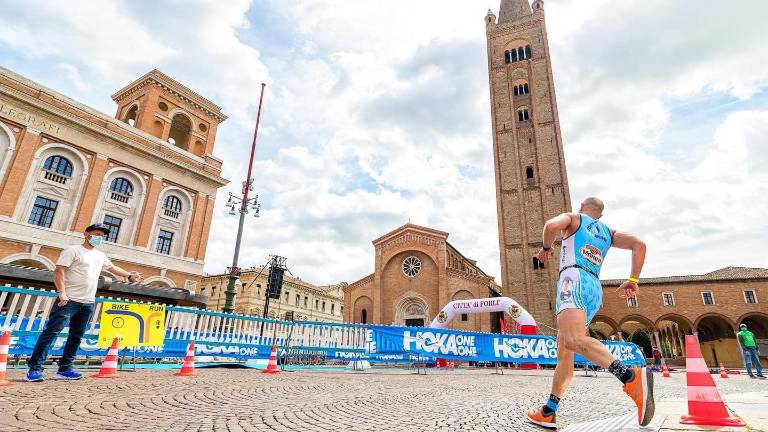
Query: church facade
(416, 273)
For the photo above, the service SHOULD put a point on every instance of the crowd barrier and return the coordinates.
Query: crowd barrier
(25, 312)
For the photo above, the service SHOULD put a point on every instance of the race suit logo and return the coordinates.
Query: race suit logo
(440, 343)
(592, 254)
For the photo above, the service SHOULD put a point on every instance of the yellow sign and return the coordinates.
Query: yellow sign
(136, 325)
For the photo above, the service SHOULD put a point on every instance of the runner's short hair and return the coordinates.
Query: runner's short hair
(595, 203)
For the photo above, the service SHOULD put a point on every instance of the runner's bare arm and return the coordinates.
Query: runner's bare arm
(552, 228)
(631, 242)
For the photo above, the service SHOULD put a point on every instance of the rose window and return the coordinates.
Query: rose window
(411, 266)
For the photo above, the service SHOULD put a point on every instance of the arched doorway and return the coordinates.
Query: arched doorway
(717, 338)
(603, 328)
(638, 330)
(411, 312)
(757, 323)
(672, 329)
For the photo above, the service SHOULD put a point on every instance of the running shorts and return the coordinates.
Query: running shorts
(577, 289)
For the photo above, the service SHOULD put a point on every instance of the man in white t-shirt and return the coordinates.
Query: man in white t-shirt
(76, 278)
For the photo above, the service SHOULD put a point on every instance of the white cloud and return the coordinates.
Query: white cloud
(377, 113)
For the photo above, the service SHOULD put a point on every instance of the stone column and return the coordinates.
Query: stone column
(656, 338)
(88, 204)
(196, 225)
(147, 216)
(210, 201)
(18, 170)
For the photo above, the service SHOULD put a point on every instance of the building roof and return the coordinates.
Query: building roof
(513, 10)
(104, 124)
(178, 89)
(723, 274)
(327, 289)
(39, 277)
(412, 227)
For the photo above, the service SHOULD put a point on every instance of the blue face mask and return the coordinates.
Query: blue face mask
(96, 240)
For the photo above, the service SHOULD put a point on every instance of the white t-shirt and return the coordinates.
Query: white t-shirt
(84, 267)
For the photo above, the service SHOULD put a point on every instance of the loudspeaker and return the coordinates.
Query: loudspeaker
(275, 283)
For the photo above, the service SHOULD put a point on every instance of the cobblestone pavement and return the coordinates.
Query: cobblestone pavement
(377, 400)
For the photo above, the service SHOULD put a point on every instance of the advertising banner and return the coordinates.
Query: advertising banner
(483, 347)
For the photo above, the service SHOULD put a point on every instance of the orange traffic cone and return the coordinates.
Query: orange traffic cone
(109, 367)
(723, 372)
(188, 368)
(5, 343)
(272, 365)
(705, 406)
(665, 371)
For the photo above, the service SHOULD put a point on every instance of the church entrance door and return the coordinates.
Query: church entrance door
(414, 322)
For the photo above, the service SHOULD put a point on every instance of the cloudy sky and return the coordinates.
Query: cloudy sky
(377, 114)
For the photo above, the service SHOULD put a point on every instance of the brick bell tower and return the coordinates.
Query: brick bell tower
(531, 182)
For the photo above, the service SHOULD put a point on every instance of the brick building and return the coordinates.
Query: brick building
(416, 273)
(531, 182)
(149, 173)
(305, 301)
(711, 305)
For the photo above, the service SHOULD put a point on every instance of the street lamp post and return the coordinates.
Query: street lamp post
(242, 204)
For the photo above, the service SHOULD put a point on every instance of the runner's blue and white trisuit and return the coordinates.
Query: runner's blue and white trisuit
(580, 260)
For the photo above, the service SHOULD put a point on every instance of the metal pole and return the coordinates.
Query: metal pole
(229, 304)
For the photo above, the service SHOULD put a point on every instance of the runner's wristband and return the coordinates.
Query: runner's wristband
(545, 249)
(633, 280)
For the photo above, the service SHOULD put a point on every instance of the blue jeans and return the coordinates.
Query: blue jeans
(78, 315)
(750, 356)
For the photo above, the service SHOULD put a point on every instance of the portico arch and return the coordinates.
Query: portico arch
(29, 260)
(672, 329)
(604, 326)
(717, 337)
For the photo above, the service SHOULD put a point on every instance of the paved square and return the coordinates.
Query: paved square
(377, 400)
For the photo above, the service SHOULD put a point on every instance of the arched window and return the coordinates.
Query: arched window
(523, 115)
(529, 173)
(180, 130)
(58, 169)
(521, 89)
(364, 317)
(172, 206)
(121, 190)
(518, 54)
(130, 116)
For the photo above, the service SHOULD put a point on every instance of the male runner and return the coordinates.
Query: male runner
(585, 241)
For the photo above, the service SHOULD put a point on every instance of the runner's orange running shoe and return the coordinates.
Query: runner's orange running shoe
(540, 419)
(640, 389)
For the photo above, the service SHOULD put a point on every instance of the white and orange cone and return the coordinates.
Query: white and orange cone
(188, 368)
(109, 367)
(272, 365)
(723, 372)
(705, 405)
(5, 343)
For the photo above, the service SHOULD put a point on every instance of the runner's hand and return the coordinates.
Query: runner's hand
(544, 255)
(628, 289)
(63, 300)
